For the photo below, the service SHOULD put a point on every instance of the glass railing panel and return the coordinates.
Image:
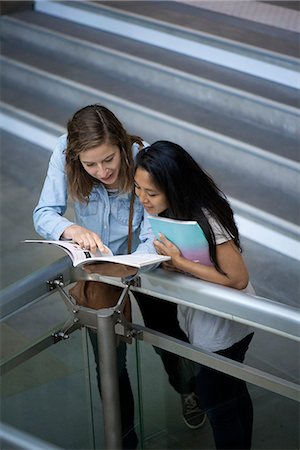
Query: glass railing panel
(49, 389)
(12, 439)
(31, 324)
(276, 418)
(134, 376)
(29, 329)
(48, 395)
(95, 398)
(276, 355)
(162, 421)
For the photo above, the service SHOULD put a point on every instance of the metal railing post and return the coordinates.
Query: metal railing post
(109, 378)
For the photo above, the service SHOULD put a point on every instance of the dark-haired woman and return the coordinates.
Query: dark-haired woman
(169, 183)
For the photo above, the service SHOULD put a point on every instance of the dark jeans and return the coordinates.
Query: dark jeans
(227, 402)
(161, 316)
(129, 437)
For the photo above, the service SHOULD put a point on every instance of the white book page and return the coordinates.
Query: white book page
(135, 260)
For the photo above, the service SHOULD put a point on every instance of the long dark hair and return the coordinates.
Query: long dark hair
(90, 127)
(189, 190)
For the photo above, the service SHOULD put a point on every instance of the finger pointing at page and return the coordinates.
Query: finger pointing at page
(85, 238)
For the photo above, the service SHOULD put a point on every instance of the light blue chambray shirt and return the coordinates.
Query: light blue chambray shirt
(105, 215)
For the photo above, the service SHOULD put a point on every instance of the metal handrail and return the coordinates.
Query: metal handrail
(12, 438)
(33, 286)
(263, 313)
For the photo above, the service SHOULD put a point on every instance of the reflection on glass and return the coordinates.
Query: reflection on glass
(276, 418)
(47, 396)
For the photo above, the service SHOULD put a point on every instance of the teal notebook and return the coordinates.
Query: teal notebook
(188, 236)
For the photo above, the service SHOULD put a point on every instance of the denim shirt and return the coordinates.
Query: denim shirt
(100, 214)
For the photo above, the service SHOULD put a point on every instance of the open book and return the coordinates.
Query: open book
(81, 256)
(187, 235)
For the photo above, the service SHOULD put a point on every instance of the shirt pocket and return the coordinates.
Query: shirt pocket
(87, 209)
(120, 211)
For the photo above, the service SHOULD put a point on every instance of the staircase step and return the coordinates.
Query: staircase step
(24, 166)
(212, 121)
(283, 151)
(278, 67)
(178, 75)
(214, 23)
(274, 275)
(285, 14)
(148, 52)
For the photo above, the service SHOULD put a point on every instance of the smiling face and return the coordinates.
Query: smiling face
(103, 163)
(152, 198)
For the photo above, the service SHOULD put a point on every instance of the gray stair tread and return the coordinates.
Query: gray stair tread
(222, 25)
(237, 185)
(57, 111)
(20, 155)
(273, 275)
(153, 98)
(23, 168)
(293, 4)
(192, 66)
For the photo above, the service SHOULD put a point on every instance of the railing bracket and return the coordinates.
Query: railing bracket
(52, 284)
(59, 336)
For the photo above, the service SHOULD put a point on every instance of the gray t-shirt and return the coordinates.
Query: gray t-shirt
(209, 331)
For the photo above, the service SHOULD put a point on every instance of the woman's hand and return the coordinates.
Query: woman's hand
(111, 269)
(165, 247)
(229, 258)
(169, 266)
(84, 238)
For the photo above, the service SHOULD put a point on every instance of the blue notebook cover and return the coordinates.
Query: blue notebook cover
(186, 235)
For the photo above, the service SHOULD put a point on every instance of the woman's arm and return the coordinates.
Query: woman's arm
(48, 215)
(229, 258)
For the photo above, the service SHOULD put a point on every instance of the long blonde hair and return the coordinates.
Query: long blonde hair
(90, 127)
